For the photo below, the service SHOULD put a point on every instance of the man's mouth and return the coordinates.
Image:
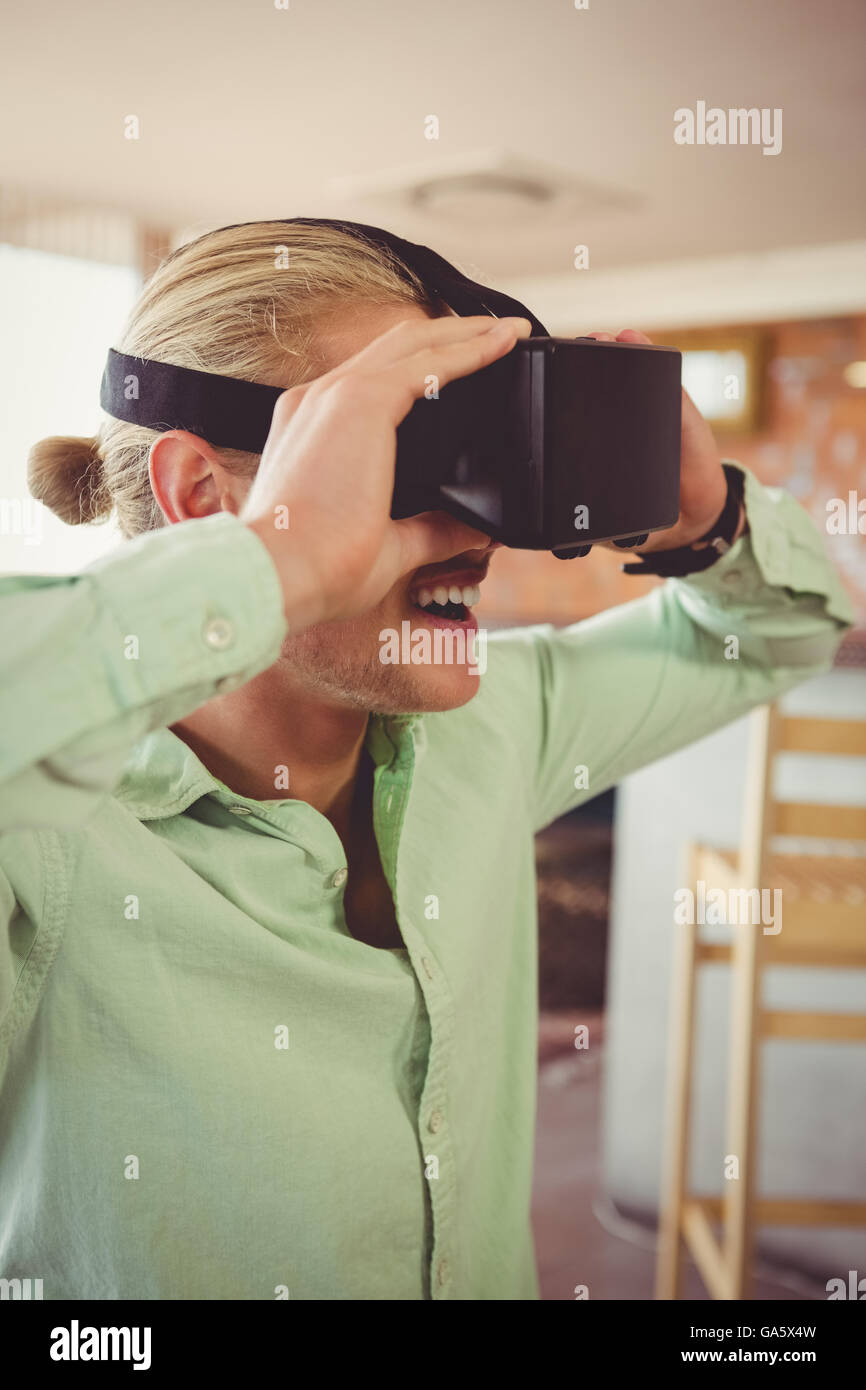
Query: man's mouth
(449, 599)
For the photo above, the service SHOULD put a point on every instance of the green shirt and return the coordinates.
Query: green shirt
(210, 1089)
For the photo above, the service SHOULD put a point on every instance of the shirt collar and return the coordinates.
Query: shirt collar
(163, 776)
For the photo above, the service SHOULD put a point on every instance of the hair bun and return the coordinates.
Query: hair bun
(65, 472)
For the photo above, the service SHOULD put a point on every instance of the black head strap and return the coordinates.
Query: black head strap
(234, 414)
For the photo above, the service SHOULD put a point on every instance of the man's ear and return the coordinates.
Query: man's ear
(187, 479)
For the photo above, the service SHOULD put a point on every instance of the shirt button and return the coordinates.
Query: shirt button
(241, 810)
(339, 878)
(219, 633)
(442, 1271)
(435, 1121)
(428, 966)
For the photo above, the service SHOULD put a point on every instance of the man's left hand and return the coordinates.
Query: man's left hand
(703, 485)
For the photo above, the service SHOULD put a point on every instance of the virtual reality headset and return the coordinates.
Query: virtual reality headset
(561, 443)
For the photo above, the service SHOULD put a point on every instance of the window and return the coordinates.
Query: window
(61, 314)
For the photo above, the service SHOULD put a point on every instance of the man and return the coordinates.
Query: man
(270, 983)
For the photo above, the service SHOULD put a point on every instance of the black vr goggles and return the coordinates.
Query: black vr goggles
(561, 443)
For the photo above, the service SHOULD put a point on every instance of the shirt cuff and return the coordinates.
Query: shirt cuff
(782, 549)
(196, 603)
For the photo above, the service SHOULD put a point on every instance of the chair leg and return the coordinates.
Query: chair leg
(674, 1176)
(742, 1109)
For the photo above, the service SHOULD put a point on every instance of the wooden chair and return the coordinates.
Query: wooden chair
(823, 924)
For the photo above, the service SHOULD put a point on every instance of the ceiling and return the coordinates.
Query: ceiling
(247, 111)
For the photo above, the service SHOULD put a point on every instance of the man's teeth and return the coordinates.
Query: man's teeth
(467, 594)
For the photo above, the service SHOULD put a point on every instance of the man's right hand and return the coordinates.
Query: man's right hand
(329, 458)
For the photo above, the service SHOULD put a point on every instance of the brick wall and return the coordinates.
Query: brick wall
(812, 441)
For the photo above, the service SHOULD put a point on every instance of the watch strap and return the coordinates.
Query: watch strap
(720, 537)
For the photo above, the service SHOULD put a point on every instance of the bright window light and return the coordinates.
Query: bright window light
(717, 382)
(61, 314)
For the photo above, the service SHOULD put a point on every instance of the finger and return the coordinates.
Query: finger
(410, 378)
(600, 337)
(420, 335)
(431, 537)
(633, 335)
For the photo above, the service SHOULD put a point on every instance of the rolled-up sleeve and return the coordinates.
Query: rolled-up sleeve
(93, 662)
(601, 698)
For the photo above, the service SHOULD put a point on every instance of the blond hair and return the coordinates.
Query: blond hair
(241, 302)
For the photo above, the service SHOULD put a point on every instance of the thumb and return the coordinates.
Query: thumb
(433, 536)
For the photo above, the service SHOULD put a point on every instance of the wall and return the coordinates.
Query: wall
(813, 1113)
(812, 441)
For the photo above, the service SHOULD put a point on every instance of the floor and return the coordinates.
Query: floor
(613, 1260)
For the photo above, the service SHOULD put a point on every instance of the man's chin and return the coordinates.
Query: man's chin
(429, 665)
(431, 694)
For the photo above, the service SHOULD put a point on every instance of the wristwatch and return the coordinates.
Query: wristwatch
(687, 560)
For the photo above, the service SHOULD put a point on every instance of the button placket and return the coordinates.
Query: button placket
(432, 1113)
(391, 805)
